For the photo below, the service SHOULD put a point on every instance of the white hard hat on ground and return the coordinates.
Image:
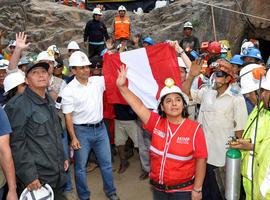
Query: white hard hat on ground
(122, 8)
(79, 59)
(44, 193)
(169, 88)
(248, 82)
(12, 80)
(188, 25)
(97, 11)
(73, 45)
(266, 83)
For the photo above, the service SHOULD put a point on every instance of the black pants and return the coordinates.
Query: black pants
(159, 195)
(94, 50)
(210, 187)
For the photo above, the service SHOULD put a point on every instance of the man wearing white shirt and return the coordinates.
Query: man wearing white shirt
(82, 103)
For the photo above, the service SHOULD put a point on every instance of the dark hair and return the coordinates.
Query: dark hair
(184, 114)
(11, 93)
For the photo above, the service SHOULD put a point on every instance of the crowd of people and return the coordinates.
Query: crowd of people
(51, 105)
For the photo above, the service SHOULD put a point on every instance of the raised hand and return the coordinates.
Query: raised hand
(176, 45)
(122, 76)
(196, 67)
(21, 40)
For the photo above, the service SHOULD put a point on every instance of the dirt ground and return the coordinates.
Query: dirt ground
(128, 185)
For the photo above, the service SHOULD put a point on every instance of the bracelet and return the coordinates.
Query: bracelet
(198, 191)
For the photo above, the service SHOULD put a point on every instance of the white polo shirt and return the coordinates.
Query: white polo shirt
(220, 118)
(85, 102)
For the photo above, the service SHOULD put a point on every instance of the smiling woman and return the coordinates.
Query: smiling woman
(178, 150)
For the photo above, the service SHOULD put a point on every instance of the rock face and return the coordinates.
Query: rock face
(49, 23)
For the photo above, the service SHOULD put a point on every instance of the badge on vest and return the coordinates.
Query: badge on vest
(183, 140)
(159, 133)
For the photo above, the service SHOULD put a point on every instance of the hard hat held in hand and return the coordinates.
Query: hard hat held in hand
(44, 193)
(79, 59)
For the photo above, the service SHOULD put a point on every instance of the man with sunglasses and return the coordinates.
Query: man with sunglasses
(222, 114)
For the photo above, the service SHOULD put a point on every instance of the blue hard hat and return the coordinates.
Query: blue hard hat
(236, 59)
(149, 40)
(1, 56)
(253, 53)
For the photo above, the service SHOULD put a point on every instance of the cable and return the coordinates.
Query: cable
(227, 9)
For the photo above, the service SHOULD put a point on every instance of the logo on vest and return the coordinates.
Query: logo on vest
(159, 133)
(183, 140)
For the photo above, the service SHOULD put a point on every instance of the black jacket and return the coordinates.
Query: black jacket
(36, 140)
(95, 31)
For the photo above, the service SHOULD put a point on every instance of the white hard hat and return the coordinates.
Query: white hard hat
(97, 11)
(12, 43)
(188, 25)
(4, 64)
(44, 193)
(181, 62)
(248, 82)
(246, 46)
(12, 80)
(45, 55)
(224, 48)
(79, 59)
(73, 45)
(169, 88)
(122, 8)
(23, 61)
(266, 83)
(53, 49)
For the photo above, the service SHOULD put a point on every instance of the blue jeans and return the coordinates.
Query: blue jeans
(68, 185)
(96, 139)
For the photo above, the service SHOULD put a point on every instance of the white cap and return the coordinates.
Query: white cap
(4, 64)
(171, 88)
(45, 192)
(266, 83)
(79, 59)
(248, 82)
(188, 25)
(181, 62)
(45, 55)
(12, 80)
(122, 8)
(73, 45)
(97, 11)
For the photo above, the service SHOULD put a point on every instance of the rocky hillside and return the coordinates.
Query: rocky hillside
(49, 23)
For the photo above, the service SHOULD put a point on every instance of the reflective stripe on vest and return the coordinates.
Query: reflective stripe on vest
(121, 28)
(169, 155)
(264, 188)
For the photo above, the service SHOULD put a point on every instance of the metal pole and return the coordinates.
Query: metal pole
(213, 22)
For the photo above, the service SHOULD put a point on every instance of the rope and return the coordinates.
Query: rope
(227, 9)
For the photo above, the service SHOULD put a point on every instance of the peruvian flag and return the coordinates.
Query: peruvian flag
(147, 67)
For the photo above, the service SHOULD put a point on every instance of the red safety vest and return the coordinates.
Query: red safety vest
(121, 28)
(171, 153)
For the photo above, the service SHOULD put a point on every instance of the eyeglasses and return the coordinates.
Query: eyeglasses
(220, 74)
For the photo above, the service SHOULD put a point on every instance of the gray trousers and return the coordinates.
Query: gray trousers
(144, 142)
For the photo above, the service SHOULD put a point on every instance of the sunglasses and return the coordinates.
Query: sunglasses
(221, 74)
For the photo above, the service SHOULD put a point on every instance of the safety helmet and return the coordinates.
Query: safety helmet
(253, 53)
(214, 47)
(73, 45)
(12, 80)
(1, 56)
(188, 25)
(23, 61)
(122, 8)
(149, 40)
(236, 59)
(79, 59)
(45, 55)
(224, 48)
(53, 49)
(97, 11)
(225, 66)
(247, 81)
(246, 46)
(169, 88)
(181, 62)
(266, 83)
(12, 43)
(4, 64)
(45, 193)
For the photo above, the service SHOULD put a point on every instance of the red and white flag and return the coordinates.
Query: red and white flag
(147, 70)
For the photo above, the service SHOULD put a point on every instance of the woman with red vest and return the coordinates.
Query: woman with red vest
(178, 150)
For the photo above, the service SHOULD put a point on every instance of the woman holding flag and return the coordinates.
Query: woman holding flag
(178, 150)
